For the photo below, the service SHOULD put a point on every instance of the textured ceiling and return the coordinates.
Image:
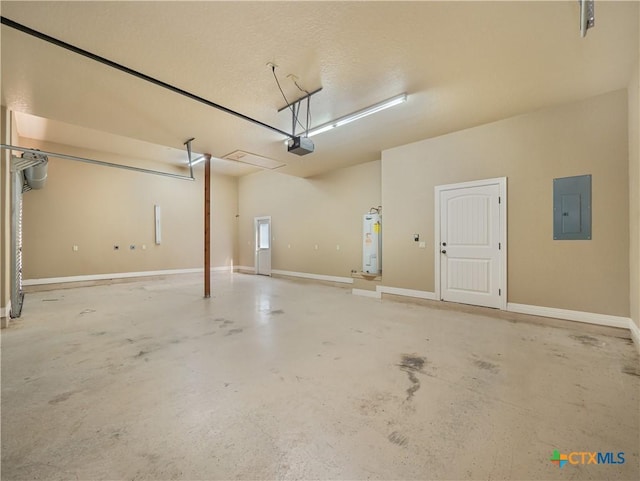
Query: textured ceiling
(461, 63)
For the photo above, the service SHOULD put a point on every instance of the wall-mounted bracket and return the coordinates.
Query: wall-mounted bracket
(19, 164)
(587, 16)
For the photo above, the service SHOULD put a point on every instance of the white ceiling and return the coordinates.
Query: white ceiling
(461, 63)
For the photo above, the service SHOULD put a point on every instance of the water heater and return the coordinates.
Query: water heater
(372, 244)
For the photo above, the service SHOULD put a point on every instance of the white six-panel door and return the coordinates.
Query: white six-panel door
(471, 254)
(263, 245)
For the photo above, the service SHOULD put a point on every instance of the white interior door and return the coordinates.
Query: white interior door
(263, 245)
(472, 243)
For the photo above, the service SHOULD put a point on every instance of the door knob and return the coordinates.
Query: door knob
(444, 252)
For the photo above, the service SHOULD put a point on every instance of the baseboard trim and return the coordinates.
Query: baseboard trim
(366, 293)
(635, 334)
(244, 269)
(221, 269)
(303, 275)
(6, 310)
(119, 275)
(399, 291)
(579, 316)
(317, 277)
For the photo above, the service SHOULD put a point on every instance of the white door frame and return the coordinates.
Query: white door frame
(502, 183)
(256, 220)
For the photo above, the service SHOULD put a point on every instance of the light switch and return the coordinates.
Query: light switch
(75, 248)
(422, 245)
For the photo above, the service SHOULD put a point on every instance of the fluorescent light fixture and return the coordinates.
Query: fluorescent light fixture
(385, 104)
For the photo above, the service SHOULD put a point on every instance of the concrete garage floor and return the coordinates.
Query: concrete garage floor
(279, 379)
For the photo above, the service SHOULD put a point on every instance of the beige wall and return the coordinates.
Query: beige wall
(97, 207)
(634, 190)
(587, 137)
(224, 220)
(325, 210)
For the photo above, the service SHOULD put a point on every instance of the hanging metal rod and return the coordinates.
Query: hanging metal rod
(188, 144)
(97, 162)
(297, 101)
(43, 36)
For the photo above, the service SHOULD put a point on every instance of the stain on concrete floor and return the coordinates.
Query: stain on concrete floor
(486, 365)
(412, 363)
(587, 340)
(223, 321)
(631, 370)
(62, 397)
(398, 438)
(231, 332)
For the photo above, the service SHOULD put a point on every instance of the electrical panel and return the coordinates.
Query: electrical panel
(372, 244)
(572, 208)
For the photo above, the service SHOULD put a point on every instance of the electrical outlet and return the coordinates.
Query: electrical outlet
(422, 245)
(75, 248)
(316, 247)
(288, 246)
(338, 247)
(144, 247)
